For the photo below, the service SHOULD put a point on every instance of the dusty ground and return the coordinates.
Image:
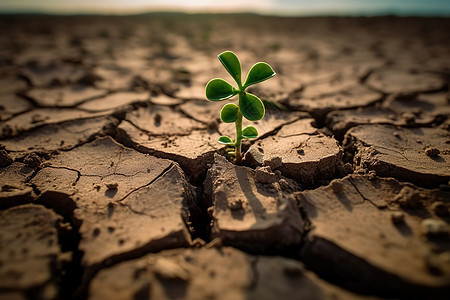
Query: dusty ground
(113, 185)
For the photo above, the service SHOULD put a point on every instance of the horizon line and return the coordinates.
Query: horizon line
(369, 13)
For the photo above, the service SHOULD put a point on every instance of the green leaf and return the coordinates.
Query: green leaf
(218, 89)
(226, 140)
(250, 132)
(230, 61)
(251, 107)
(259, 72)
(229, 113)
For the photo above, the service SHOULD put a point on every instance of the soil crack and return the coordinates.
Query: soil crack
(362, 196)
(148, 184)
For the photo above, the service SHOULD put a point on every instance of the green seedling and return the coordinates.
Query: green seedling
(250, 106)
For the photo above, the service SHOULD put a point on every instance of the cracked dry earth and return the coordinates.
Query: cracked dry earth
(113, 185)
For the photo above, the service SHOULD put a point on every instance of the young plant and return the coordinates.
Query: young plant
(250, 106)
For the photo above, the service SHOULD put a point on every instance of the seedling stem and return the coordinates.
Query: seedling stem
(237, 146)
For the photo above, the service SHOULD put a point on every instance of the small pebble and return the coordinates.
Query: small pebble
(434, 228)
(408, 198)
(112, 186)
(398, 217)
(32, 160)
(431, 151)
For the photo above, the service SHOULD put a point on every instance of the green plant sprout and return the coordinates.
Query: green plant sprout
(250, 106)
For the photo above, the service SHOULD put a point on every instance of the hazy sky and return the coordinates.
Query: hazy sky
(292, 7)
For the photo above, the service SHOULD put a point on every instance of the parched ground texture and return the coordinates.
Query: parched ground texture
(113, 185)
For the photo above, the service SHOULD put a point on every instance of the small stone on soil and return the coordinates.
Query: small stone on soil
(398, 217)
(431, 151)
(408, 198)
(434, 228)
(32, 160)
(112, 186)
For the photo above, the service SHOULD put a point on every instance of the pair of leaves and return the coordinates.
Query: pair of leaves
(248, 132)
(250, 106)
(218, 89)
(259, 72)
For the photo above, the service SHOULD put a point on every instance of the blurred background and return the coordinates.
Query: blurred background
(272, 7)
(323, 51)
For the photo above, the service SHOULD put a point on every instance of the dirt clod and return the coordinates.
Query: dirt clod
(431, 151)
(32, 160)
(434, 228)
(112, 185)
(265, 175)
(273, 163)
(408, 198)
(398, 217)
